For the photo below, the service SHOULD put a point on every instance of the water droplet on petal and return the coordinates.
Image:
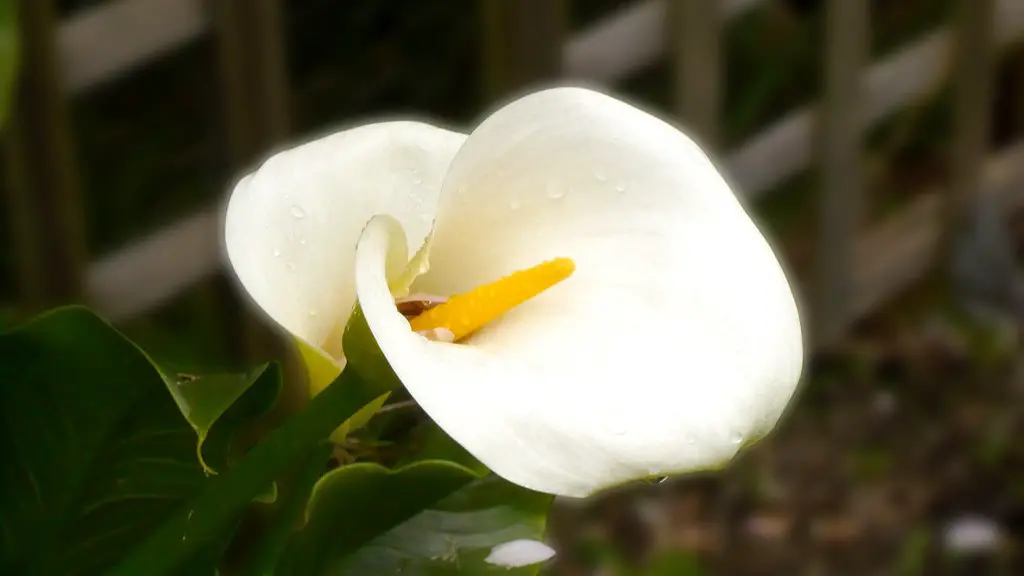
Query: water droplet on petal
(514, 205)
(657, 480)
(277, 252)
(302, 240)
(736, 438)
(600, 176)
(291, 266)
(620, 187)
(297, 211)
(555, 191)
(312, 312)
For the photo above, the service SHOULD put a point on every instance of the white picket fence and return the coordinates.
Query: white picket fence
(112, 39)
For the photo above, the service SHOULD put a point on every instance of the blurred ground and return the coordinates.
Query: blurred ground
(904, 436)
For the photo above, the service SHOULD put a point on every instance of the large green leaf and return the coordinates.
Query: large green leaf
(457, 534)
(429, 517)
(97, 452)
(214, 510)
(212, 402)
(352, 505)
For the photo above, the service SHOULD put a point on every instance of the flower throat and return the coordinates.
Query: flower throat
(460, 316)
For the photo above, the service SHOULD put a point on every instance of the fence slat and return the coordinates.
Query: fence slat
(842, 123)
(695, 28)
(42, 183)
(973, 79)
(629, 40)
(153, 269)
(902, 249)
(522, 44)
(109, 39)
(255, 88)
(95, 46)
(254, 77)
(780, 151)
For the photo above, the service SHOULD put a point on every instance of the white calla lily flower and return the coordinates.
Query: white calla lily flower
(660, 336)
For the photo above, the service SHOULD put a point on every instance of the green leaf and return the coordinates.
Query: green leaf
(354, 504)
(457, 534)
(98, 454)
(213, 510)
(8, 55)
(204, 399)
(290, 515)
(430, 517)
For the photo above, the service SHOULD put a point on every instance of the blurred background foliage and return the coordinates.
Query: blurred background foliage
(898, 436)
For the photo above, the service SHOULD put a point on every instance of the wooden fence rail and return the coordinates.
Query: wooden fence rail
(42, 176)
(842, 172)
(860, 267)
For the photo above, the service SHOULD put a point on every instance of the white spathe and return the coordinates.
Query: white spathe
(676, 341)
(291, 226)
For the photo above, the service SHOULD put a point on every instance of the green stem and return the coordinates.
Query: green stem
(219, 504)
(293, 507)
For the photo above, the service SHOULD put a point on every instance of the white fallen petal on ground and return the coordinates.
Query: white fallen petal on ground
(519, 553)
(972, 535)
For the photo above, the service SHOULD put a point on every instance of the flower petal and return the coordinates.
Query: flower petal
(292, 225)
(675, 342)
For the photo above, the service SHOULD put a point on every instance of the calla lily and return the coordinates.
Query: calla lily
(661, 336)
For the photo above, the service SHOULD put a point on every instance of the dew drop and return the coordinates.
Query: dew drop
(736, 438)
(514, 205)
(600, 176)
(297, 211)
(277, 252)
(620, 187)
(291, 266)
(554, 191)
(312, 312)
(657, 480)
